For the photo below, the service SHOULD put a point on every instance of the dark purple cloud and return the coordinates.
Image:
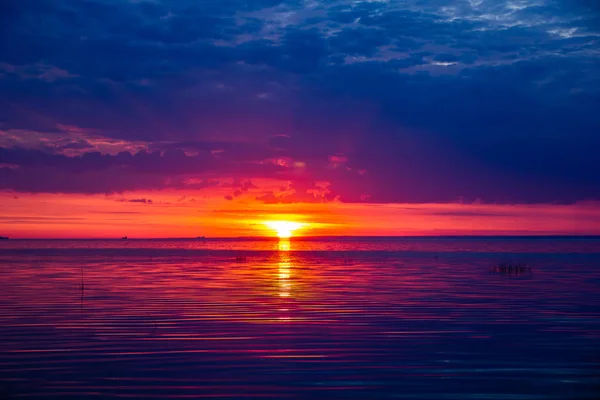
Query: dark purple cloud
(386, 101)
(142, 200)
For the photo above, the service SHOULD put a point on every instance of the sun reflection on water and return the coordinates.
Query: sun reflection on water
(283, 245)
(284, 270)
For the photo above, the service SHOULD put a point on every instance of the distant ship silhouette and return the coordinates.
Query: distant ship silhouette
(3, 237)
(124, 237)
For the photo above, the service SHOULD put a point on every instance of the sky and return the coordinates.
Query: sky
(156, 118)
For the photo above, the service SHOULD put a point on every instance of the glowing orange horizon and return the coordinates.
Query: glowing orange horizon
(169, 214)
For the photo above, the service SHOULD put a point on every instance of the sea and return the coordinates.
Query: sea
(301, 318)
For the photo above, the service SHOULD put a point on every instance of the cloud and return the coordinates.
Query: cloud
(78, 145)
(424, 101)
(299, 192)
(94, 172)
(40, 71)
(143, 200)
(240, 187)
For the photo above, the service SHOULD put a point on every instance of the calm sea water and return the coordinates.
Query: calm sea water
(348, 318)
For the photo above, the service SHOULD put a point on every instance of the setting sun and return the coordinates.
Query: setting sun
(284, 229)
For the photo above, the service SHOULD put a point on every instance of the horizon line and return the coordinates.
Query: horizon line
(200, 238)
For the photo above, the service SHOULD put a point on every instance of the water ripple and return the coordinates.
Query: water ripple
(422, 320)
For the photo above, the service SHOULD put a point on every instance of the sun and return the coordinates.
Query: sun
(284, 229)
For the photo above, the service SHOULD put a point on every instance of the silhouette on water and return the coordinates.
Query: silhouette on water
(82, 288)
(510, 267)
(82, 284)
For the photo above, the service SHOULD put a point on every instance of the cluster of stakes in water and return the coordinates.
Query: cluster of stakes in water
(509, 267)
(241, 259)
